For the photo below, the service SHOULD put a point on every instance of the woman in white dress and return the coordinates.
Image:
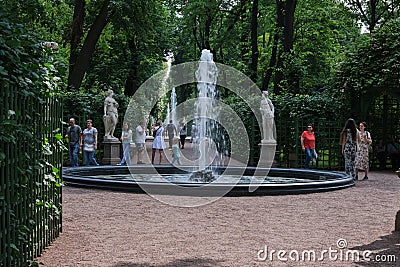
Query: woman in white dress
(158, 142)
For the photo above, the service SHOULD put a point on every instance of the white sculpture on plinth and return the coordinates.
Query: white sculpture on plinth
(267, 112)
(110, 117)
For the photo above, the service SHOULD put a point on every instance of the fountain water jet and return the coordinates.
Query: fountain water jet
(173, 107)
(206, 116)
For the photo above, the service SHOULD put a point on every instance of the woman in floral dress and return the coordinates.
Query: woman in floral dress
(362, 158)
(349, 139)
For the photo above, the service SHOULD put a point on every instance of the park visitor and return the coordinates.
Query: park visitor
(176, 155)
(393, 150)
(126, 139)
(362, 157)
(381, 155)
(158, 142)
(89, 139)
(140, 141)
(182, 135)
(171, 131)
(348, 139)
(74, 138)
(308, 145)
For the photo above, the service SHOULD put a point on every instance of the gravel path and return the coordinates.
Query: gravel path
(104, 228)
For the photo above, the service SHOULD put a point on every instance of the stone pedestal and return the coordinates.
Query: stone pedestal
(112, 150)
(267, 153)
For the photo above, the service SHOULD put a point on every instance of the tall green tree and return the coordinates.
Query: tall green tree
(371, 69)
(120, 39)
(82, 58)
(374, 13)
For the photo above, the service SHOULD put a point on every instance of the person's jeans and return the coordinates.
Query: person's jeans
(127, 155)
(73, 154)
(89, 156)
(170, 140)
(309, 155)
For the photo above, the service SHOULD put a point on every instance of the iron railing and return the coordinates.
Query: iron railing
(30, 174)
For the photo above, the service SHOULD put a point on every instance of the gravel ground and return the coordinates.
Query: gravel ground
(105, 228)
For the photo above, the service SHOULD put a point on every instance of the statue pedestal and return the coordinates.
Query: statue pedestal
(267, 153)
(112, 148)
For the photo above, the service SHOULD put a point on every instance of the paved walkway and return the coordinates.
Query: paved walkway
(103, 228)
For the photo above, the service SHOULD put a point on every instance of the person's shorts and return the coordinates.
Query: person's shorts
(140, 147)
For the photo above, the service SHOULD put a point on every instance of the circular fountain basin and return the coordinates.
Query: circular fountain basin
(235, 181)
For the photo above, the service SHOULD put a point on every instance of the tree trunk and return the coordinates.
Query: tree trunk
(285, 16)
(76, 33)
(131, 81)
(278, 78)
(76, 76)
(254, 41)
(244, 35)
(272, 63)
(207, 31)
(290, 7)
(292, 77)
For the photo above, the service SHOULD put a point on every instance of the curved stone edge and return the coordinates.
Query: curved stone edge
(338, 181)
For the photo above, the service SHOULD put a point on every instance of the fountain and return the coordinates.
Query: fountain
(206, 116)
(173, 108)
(205, 177)
(168, 114)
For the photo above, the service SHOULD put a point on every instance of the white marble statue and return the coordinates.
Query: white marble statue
(110, 117)
(267, 112)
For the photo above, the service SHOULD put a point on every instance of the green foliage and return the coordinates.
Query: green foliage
(371, 68)
(28, 77)
(290, 107)
(307, 107)
(135, 40)
(320, 38)
(25, 60)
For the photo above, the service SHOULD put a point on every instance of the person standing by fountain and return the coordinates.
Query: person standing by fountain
(171, 131)
(182, 135)
(140, 140)
(158, 142)
(349, 139)
(362, 158)
(126, 139)
(176, 155)
(307, 140)
(193, 135)
(267, 112)
(89, 139)
(110, 117)
(74, 133)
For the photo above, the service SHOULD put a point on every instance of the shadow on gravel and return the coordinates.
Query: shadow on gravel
(387, 251)
(192, 262)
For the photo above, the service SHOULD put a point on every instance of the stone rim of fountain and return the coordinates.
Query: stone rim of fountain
(327, 181)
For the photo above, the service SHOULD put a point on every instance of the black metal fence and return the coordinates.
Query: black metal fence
(30, 174)
(327, 135)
